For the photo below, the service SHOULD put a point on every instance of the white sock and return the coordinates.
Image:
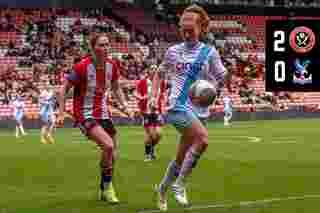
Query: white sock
(169, 176)
(22, 130)
(229, 118)
(51, 128)
(17, 131)
(189, 163)
(43, 132)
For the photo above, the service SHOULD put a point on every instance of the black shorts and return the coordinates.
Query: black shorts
(204, 121)
(106, 124)
(152, 120)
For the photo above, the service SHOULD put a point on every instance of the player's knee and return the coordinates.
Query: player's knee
(115, 155)
(147, 138)
(205, 146)
(157, 134)
(107, 145)
(203, 141)
(156, 138)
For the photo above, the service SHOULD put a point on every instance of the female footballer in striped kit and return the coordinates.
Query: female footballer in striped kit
(91, 78)
(187, 62)
(151, 114)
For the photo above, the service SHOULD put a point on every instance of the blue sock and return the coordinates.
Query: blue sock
(177, 172)
(171, 173)
(105, 180)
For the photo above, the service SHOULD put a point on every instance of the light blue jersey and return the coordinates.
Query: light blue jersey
(185, 64)
(46, 101)
(18, 109)
(227, 103)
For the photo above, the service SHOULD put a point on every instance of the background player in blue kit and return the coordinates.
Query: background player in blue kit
(227, 109)
(18, 113)
(46, 102)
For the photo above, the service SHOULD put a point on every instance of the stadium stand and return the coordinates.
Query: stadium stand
(39, 47)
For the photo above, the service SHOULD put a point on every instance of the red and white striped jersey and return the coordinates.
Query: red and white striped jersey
(144, 88)
(162, 96)
(90, 85)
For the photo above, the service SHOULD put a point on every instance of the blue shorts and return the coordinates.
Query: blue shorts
(181, 119)
(19, 116)
(45, 118)
(228, 113)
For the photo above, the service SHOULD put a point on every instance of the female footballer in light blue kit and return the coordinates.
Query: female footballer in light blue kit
(227, 109)
(185, 63)
(18, 113)
(46, 115)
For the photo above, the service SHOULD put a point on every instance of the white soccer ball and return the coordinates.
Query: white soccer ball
(202, 93)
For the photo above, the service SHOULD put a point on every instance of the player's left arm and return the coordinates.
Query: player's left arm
(217, 73)
(118, 94)
(23, 106)
(117, 91)
(164, 69)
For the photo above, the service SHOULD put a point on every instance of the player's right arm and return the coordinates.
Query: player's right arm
(137, 93)
(166, 65)
(165, 68)
(13, 107)
(217, 73)
(71, 80)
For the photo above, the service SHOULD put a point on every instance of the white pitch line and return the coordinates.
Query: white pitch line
(254, 139)
(251, 139)
(242, 203)
(283, 142)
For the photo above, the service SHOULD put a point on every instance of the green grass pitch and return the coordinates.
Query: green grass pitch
(274, 164)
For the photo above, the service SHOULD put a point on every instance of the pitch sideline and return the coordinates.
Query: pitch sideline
(251, 139)
(241, 203)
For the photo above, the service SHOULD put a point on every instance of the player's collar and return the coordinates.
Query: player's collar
(191, 45)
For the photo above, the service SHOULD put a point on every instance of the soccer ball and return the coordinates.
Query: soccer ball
(202, 93)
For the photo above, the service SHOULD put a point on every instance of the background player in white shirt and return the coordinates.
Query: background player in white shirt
(227, 109)
(18, 113)
(46, 116)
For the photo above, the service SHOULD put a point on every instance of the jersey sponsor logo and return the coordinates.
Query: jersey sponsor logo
(188, 66)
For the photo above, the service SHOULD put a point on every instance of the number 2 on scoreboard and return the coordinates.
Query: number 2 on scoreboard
(279, 40)
(279, 71)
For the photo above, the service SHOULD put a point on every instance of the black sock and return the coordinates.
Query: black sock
(152, 150)
(148, 149)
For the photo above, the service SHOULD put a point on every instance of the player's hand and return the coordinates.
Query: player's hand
(153, 104)
(196, 101)
(126, 110)
(60, 119)
(129, 113)
(144, 97)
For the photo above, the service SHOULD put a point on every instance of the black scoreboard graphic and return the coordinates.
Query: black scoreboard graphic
(293, 55)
